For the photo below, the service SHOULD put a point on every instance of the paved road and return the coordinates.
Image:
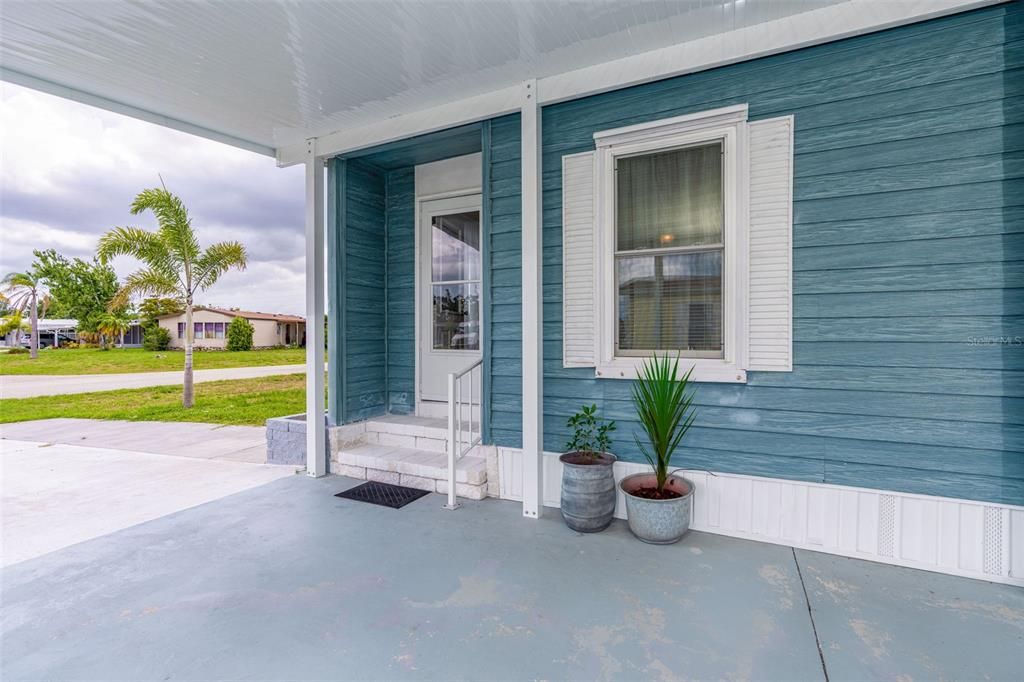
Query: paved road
(28, 386)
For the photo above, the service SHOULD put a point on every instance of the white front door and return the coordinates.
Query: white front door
(448, 292)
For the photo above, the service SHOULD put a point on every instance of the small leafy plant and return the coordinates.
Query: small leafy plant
(664, 408)
(590, 432)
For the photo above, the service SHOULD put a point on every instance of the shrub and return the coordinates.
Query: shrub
(17, 350)
(240, 334)
(589, 432)
(156, 338)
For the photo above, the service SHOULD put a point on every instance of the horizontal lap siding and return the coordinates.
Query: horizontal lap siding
(908, 241)
(401, 291)
(363, 271)
(504, 323)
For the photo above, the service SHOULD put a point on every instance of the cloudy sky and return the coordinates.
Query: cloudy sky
(69, 172)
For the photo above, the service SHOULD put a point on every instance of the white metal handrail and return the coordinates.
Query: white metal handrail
(463, 427)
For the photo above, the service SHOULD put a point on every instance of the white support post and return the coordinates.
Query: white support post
(533, 361)
(453, 440)
(316, 445)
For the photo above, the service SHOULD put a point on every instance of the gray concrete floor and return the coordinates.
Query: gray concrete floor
(28, 386)
(180, 439)
(286, 581)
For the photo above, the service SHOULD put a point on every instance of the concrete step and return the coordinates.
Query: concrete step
(408, 431)
(426, 464)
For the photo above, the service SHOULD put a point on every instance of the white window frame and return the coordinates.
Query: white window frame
(728, 125)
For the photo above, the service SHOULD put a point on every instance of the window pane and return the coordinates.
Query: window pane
(220, 330)
(181, 330)
(210, 330)
(456, 321)
(671, 302)
(670, 199)
(198, 329)
(455, 247)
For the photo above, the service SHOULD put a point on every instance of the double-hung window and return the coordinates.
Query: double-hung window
(677, 240)
(671, 262)
(669, 251)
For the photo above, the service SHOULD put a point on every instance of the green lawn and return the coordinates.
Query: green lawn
(116, 360)
(243, 401)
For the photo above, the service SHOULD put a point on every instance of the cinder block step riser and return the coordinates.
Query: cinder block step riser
(433, 465)
(464, 490)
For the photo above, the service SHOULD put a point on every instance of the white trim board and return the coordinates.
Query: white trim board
(959, 537)
(815, 27)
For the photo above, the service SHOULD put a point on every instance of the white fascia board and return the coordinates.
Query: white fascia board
(815, 27)
(827, 24)
(449, 115)
(51, 88)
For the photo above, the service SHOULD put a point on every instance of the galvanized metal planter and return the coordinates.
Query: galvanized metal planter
(588, 493)
(659, 522)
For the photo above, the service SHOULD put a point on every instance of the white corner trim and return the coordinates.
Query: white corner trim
(972, 539)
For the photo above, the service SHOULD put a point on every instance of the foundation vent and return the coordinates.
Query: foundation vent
(886, 525)
(992, 562)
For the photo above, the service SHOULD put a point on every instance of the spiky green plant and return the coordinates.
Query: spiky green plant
(664, 407)
(176, 267)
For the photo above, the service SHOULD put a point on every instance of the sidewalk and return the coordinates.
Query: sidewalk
(29, 386)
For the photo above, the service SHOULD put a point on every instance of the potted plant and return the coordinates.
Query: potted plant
(588, 486)
(658, 503)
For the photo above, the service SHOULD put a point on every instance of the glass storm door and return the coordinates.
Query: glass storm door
(449, 290)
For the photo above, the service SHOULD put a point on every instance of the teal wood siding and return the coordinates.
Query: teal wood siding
(908, 242)
(504, 252)
(363, 270)
(401, 291)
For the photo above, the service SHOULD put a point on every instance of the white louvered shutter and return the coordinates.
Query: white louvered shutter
(579, 298)
(770, 304)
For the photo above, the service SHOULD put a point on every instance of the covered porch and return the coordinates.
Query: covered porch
(340, 589)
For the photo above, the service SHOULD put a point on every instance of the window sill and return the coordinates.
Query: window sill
(704, 370)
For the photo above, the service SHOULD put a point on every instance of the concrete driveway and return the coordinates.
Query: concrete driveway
(30, 386)
(54, 496)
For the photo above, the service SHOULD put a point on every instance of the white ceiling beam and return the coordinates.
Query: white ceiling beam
(77, 95)
(834, 22)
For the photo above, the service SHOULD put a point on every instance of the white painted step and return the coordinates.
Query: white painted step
(414, 462)
(407, 431)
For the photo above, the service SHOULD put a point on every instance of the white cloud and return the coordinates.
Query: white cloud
(68, 173)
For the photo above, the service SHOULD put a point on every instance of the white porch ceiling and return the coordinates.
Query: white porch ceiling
(267, 75)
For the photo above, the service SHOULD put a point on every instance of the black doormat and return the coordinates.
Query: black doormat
(384, 494)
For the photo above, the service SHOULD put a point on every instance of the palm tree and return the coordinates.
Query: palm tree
(112, 324)
(27, 291)
(175, 265)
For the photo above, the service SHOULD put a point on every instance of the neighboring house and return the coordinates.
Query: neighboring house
(211, 324)
(57, 331)
(816, 205)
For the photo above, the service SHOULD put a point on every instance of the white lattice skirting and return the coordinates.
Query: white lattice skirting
(959, 537)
